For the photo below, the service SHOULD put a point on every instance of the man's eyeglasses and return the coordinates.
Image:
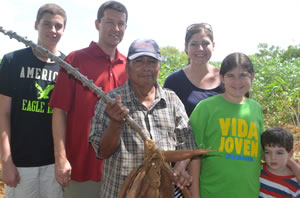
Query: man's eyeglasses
(199, 25)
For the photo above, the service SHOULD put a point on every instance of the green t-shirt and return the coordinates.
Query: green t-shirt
(234, 130)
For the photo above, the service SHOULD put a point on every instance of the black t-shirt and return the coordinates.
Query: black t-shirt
(29, 82)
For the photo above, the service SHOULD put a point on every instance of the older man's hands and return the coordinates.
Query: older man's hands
(183, 177)
(117, 111)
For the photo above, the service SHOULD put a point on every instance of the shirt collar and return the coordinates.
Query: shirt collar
(160, 94)
(95, 50)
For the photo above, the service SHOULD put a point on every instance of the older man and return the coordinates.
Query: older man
(159, 112)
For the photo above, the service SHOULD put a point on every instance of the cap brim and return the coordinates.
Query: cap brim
(134, 56)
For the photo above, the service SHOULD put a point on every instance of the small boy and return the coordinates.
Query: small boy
(276, 179)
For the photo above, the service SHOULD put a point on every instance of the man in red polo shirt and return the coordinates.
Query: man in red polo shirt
(76, 165)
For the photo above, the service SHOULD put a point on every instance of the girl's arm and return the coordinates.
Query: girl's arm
(194, 170)
(295, 167)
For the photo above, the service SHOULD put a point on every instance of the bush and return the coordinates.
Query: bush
(173, 60)
(277, 85)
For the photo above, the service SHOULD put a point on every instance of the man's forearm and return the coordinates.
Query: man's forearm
(5, 105)
(110, 140)
(10, 175)
(59, 131)
(5, 152)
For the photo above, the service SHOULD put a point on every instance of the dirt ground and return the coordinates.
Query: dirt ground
(293, 129)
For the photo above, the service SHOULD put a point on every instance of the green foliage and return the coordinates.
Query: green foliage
(276, 86)
(291, 53)
(216, 63)
(173, 60)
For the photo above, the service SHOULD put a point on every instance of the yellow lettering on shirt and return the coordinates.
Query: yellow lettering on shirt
(247, 147)
(224, 126)
(221, 148)
(229, 145)
(238, 145)
(242, 128)
(233, 126)
(254, 150)
(253, 131)
(238, 137)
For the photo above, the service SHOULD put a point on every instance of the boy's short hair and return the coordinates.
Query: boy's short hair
(277, 136)
(113, 5)
(51, 8)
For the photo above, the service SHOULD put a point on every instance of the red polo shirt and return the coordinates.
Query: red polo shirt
(79, 101)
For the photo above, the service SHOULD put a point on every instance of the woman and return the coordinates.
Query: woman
(199, 79)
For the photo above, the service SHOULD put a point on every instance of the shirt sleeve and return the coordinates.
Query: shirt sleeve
(64, 90)
(98, 124)
(198, 120)
(6, 77)
(183, 130)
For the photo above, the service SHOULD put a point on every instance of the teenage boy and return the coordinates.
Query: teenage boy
(26, 81)
(277, 180)
(77, 167)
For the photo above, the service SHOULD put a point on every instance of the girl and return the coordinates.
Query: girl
(231, 124)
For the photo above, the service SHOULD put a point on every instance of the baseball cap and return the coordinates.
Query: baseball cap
(144, 47)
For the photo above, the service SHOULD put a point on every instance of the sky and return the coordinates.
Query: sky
(238, 25)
